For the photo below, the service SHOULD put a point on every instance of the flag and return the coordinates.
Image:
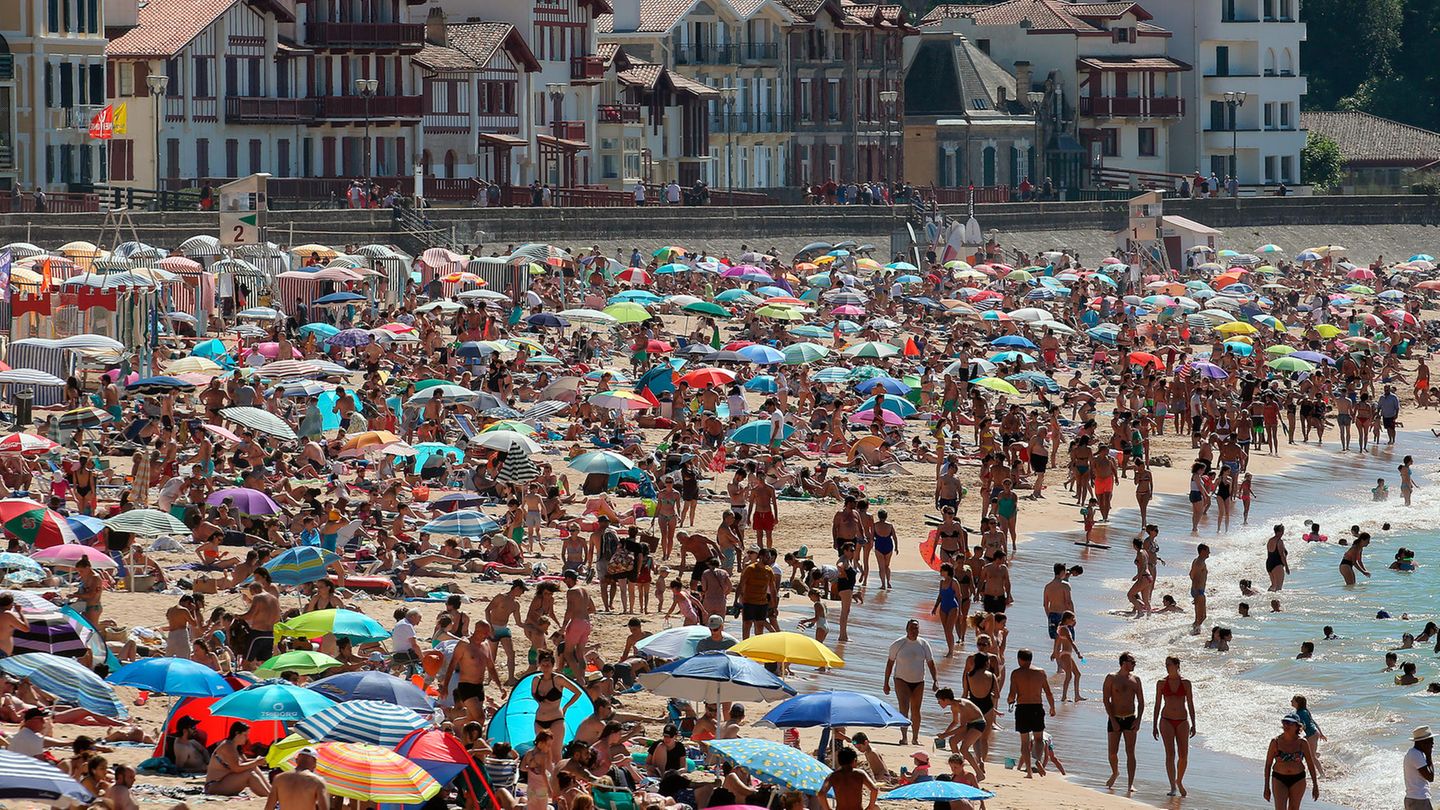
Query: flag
(103, 124)
(121, 118)
(39, 304)
(45, 277)
(6, 259)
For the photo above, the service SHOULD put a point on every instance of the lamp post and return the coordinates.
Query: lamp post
(1036, 98)
(1234, 99)
(366, 88)
(556, 93)
(888, 98)
(158, 83)
(727, 95)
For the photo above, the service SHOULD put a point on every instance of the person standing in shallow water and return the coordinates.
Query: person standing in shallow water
(1124, 698)
(1277, 558)
(1286, 762)
(1173, 722)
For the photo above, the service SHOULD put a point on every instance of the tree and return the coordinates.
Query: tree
(1320, 163)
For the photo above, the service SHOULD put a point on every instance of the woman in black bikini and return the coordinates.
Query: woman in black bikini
(1174, 722)
(1285, 765)
(548, 689)
(949, 536)
(983, 689)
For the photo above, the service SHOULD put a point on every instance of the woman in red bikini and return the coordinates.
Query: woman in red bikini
(1174, 722)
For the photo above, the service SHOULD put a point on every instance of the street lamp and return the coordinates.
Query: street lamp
(1036, 98)
(366, 89)
(1233, 100)
(727, 95)
(158, 83)
(888, 98)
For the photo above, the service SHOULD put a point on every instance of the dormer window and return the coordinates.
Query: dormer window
(1122, 34)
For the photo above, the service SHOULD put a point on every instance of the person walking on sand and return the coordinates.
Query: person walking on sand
(909, 657)
(1277, 558)
(1199, 573)
(1419, 770)
(1124, 698)
(1173, 722)
(1027, 686)
(1286, 762)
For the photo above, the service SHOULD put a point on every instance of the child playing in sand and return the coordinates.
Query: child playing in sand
(818, 621)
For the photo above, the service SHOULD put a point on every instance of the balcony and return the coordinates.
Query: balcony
(271, 110)
(77, 117)
(568, 130)
(749, 123)
(7, 67)
(618, 113)
(707, 54)
(1118, 107)
(380, 108)
(754, 52)
(587, 69)
(366, 35)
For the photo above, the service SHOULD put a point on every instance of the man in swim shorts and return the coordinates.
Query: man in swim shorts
(1124, 698)
(501, 610)
(1028, 688)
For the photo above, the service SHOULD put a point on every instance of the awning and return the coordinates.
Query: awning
(505, 141)
(561, 143)
(1162, 64)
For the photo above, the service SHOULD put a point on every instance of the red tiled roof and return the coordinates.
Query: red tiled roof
(1044, 15)
(1160, 63)
(1366, 139)
(165, 27)
(470, 45)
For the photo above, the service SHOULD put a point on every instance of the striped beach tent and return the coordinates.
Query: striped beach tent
(362, 721)
(369, 773)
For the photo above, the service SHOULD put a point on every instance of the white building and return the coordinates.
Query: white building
(1244, 94)
(1119, 87)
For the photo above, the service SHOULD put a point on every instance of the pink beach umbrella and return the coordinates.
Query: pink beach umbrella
(67, 555)
(222, 432)
(270, 350)
(868, 416)
(848, 309)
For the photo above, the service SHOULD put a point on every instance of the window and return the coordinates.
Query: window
(1270, 10)
(804, 97)
(232, 157)
(254, 155)
(983, 45)
(52, 24)
(988, 165)
(172, 155)
(1287, 13)
(1122, 34)
(1287, 168)
(122, 159)
(1284, 116)
(125, 79)
(1147, 141)
(1270, 168)
(832, 100)
(1227, 11)
(172, 70)
(282, 157)
(1110, 142)
(202, 78)
(980, 103)
(1269, 116)
(94, 15)
(1222, 60)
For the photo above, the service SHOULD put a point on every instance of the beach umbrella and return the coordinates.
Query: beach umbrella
(245, 500)
(762, 384)
(1238, 347)
(34, 524)
(10, 561)
(442, 756)
(271, 700)
(1290, 363)
(997, 385)
(1207, 370)
(68, 680)
(361, 721)
(621, 401)
(1013, 341)
(871, 348)
(461, 523)
(787, 647)
(516, 467)
(322, 330)
(761, 354)
(547, 320)
(370, 773)
(1012, 357)
(601, 461)
(299, 565)
(889, 385)
(29, 778)
(757, 432)
(505, 441)
(52, 631)
(259, 420)
(443, 391)
(351, 338)
(627, 312)
(594, 316)
(82, 418)
(374, 686)
(798, 354)
(343, 623)
(67, 555)
(1145, 359)
(716, 677)
(304, 662)
(544, 409)
(834, 708)
(172, 676)
(936, 790)
(886, 416)
(146, 523)
(676, 642)
(706, 377)
(773, 762)
(26, 444)
(708, 308)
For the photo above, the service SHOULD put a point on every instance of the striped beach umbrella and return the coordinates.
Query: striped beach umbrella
(517, 468)
(51, 632)
(369, 773)
(362, 721)
(259, 420)
(67, 680)
(544, 410)
(158, 385)
(23, 777)
(10, 561)
(87, 417)
(462, 523)
(147, 523)
(299, 565)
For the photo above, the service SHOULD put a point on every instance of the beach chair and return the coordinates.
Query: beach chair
(467, 427)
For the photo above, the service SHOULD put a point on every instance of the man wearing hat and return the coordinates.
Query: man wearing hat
(301, 788)
(1419, 770)
(30, 740)
(717, 641)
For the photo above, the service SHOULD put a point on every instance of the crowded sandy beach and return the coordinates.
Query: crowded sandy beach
(559, 529)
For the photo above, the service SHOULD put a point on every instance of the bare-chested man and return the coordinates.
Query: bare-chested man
(764, 511)
(500, 612)
(474, 658)
(182, 622)
(1199, 572)
(1028, 686)
(300, 789)
(11, 620)
(995, 584)
(849, 784)
(1124, 698)
(260, 618)
(575, 624)
(1057, 598)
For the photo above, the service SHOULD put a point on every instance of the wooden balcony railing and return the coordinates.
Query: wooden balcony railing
(1126, 107)
(368, 35)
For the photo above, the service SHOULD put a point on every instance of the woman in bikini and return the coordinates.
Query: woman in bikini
(548, 689)
(1065, 654)
(1286, 762)
(1173, 722)
(1354, 559)
(982, 688)
(949, 536)
(1197, 496)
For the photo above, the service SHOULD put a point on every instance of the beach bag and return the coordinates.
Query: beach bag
(621, 562)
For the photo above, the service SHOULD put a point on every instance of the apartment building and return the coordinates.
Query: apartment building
(1244, 94)
(52, 82)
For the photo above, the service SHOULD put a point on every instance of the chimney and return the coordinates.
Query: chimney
(435, 32)
(1022, 78)
(627, 15)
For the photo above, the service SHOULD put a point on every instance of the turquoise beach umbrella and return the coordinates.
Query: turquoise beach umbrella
(809, 331)
(757, 432)
(272, 700)
(900, 407)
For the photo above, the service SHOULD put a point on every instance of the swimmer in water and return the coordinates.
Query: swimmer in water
(1391, 661)
(1245, 609)
(1247, 588)
(1407, 676)
(1307, 651)
(1275, 606)
(1167, 605)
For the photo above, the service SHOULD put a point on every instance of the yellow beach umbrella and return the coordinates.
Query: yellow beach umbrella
(193, 365)
(789, 648)
(997, 385)
(1327, 330)
(1236, 328)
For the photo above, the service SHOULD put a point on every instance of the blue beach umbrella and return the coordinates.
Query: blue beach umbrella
(1011, 357)
(341, 297)
(374, 686)
(1013, 342)
(834, 374)
(361, 721)
(674, 642)
(809, 331)
(644, 297)
(601, 461)
(672, 267)
(761, 355)
(514, 722)
(424, 450)
(762, 384)
(299, 565)
(547, 320)
(10, 561)
(734, 295)
(937, 790)
(462, 523)
(774, 762)
(902, 408)
(716, 677)
(172, 676)
(271, 700)
(889, 385)
(23, 777)
(1240, 348)
(351, 338)
(158, 385)
(319, 330)
(834, 708)
(68, 680)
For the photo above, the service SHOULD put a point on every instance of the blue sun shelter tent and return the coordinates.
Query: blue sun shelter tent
(514, 722)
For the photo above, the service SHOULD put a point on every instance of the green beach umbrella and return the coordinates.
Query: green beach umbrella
(810, 331)
(305, 662)
(872, 348)
(628, 312)
(1279, 351)
(710, 308)
(780, 313)
(997, 385)
(1292, 364)
(147, 523)
(800, 354)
